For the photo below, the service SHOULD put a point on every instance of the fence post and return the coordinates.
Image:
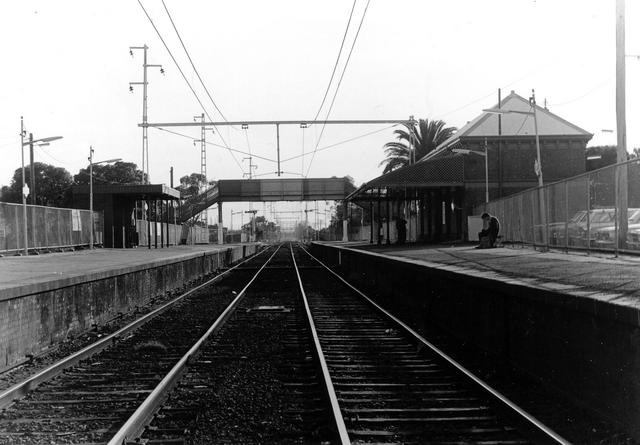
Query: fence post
(17, 231)
(616, 178)
(46, 229)
(588, 213)
(547, 213)
(533, 221)
(566, 216)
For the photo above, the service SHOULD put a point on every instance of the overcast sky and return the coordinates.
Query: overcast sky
(66, 69)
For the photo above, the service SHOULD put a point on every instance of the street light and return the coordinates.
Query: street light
(91, 164)
(43, 141)
(538, 164)
(39, 142)
(465, 151)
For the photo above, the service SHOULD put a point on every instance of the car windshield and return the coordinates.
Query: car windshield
(602, 217)
(578, 217)
(634, 215)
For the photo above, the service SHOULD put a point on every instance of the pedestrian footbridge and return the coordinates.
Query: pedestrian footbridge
(260, 190)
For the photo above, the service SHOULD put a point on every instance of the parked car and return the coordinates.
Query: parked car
(605, 236)
(577, 227)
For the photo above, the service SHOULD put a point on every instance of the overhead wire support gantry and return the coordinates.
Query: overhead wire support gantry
(277, 123)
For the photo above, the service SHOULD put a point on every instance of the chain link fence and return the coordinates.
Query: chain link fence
(583, 212)
(47, 227)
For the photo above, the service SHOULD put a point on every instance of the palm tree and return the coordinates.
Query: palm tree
(426, 136)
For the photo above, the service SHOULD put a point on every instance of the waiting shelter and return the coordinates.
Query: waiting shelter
(122, 203)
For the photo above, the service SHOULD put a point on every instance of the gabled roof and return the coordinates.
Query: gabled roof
(514, 124)
(441, 172)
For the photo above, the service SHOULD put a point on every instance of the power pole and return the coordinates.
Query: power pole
(203, 162)
(144, 83)
(252, 166)
(32, 179)
(621, 125)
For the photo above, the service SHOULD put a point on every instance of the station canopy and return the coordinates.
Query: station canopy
(440, 172)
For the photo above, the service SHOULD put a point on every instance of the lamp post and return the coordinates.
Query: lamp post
(24, 185)
(464, 151)
(538, 164)
(91, 164)
(39, 142)
(32, 190)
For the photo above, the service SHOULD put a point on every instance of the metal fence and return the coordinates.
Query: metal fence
(582, 212)
(47, 227)
(171, 234)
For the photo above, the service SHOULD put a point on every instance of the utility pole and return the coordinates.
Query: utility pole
(252, 166)
(171, 176)
(144, 83)
(621, 126)
(32, 172)
(278, 146)
(203, 162)
(24, 189)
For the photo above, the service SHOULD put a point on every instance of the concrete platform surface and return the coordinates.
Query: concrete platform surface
(600, 277)
(19, 273)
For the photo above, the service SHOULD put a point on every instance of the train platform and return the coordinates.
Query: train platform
(20, 275)
(596, 276)
(572, 320)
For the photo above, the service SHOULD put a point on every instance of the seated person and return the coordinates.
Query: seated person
(489, 233)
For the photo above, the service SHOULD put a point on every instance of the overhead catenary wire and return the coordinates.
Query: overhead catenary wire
(335, 66)
(192, 64)
(216, 145)
(188, 83)
(340, 143)
(335, 94)
(524, 121)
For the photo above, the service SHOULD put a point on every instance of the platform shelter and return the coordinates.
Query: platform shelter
(119, 202)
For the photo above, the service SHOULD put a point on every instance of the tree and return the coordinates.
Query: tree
(117, 173)
(53, 185)
(601, 156)
(635, 154)
(426, 136)
(190, 185)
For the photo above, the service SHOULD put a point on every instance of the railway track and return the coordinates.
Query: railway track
(392, 386)
(296, 356)
(85, 398)
(257, 379)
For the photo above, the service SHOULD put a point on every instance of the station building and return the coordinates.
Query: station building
(437, 193)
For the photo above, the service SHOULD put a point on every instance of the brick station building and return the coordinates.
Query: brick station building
(441, 189)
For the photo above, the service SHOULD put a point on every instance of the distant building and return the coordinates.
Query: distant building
(445, 185)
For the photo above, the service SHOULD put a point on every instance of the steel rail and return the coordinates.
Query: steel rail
(333, 398)
(539, 426)
(21, 389)
(139, 419)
